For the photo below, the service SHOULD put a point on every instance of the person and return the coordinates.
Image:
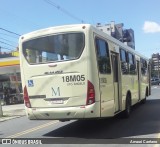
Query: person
(6, 95)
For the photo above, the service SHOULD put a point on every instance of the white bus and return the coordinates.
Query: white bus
(79, 72)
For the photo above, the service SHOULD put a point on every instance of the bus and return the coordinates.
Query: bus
(79, 72)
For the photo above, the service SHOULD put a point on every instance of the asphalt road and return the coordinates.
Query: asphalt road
(144, 122)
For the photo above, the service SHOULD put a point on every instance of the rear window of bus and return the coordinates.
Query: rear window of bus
(55, 48)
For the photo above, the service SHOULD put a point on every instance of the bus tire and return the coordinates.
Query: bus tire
(127, 110)
(144, 100)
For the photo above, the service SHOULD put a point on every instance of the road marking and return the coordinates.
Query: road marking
(32, 129)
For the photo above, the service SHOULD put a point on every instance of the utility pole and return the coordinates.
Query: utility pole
(1, 112)
(158, 57)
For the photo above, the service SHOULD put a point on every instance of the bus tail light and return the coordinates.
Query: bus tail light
(90, 94)
(26, 98)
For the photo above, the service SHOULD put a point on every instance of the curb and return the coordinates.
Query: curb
(5, 118)
(12, 111)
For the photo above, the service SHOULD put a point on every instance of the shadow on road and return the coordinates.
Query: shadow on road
(144, 120)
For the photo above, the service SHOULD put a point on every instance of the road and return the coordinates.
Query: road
(144, 122)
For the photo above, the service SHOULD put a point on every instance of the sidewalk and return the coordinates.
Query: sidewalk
(12, 111)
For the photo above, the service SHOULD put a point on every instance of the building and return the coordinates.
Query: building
(117, 31)
(10, 74)
(155, 60)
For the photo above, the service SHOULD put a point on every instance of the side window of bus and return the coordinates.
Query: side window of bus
(143, 67)
(124, 59)
(103, 56)
(131, 64)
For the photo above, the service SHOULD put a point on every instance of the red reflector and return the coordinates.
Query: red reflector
(26, 98)
(90, 94)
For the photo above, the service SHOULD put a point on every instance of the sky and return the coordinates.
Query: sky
(24, 16)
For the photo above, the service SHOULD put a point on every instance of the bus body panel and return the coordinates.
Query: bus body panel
(58, 92)
(109, 91)
(103, 82)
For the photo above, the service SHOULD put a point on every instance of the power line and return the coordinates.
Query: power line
(7, 44)
(63, 10)
(9, 35)
(1, 47)
(10, 32)
(8, 40)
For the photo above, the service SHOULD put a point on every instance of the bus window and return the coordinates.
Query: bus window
(54, 48)
(143, 67)
(131, 64)
(103, 56)
(124, 64)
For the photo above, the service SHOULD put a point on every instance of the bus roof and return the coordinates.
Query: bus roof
(65, 28)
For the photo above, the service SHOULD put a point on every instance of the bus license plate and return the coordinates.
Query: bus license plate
(56, 102)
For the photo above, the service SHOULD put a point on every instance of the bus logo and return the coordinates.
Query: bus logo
(6, 141)
(55, 92)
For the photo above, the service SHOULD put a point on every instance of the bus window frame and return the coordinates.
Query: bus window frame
(108, 52)
(125, 62)
(132, 57)
(144, 66)
(57, 61)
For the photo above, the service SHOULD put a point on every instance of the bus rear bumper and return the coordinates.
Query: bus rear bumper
(67, 113)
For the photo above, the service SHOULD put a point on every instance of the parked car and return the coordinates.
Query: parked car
(155, 81)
